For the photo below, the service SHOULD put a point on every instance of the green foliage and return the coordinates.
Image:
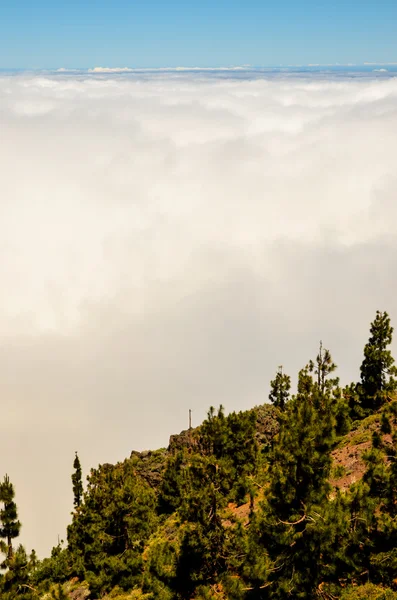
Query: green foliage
(368, 592)
(108, 534)
(232, 441)
(385, 426)
(56, 568)
(378, 372)
(279, 389)
(135, 594)
(323, 368)
(199, 482)
(202, 551)
(360, 437)
(171, 488)
(10, 526)
(58, 593)
(298, 526)
(17, 582)
(352, 398)
(161, 558)
(230, 438)
(77, 482)
(338, 471)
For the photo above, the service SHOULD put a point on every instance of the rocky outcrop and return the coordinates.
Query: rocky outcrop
(185, 439)
(150, 465)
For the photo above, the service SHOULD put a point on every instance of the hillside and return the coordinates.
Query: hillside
(296, 498)
(151, 464)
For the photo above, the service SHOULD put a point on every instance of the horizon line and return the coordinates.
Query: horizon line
(244, 67)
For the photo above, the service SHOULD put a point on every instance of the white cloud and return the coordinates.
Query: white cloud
(210, 68)
(110, 70)
(166, 242)
(160, 69)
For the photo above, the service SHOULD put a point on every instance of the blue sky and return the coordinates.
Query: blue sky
(155, 33)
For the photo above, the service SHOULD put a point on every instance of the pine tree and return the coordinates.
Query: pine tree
(377, 369)
(295, 525)
(171, 489)
(381, 480)
(17, 582)
(324, 366)
(232, 440)
(327, 394)
(10, 526)
(107, 535)
(202, 557)
(279, 389)
(77, 482)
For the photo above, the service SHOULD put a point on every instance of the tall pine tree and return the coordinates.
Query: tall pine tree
(77, 482)
(324, 366)
(279, 389)
(10, 526)
(377, 369)
(293, 524)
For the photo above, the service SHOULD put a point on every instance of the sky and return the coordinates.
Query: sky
(155, 33)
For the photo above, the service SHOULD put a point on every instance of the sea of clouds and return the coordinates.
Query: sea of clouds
(167, 240)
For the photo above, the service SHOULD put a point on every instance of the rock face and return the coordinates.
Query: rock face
(150, 465)
(81, 593)
(185, 439)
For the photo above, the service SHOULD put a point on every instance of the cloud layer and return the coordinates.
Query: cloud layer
(166, 242)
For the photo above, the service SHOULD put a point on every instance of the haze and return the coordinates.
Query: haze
(167, 240)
